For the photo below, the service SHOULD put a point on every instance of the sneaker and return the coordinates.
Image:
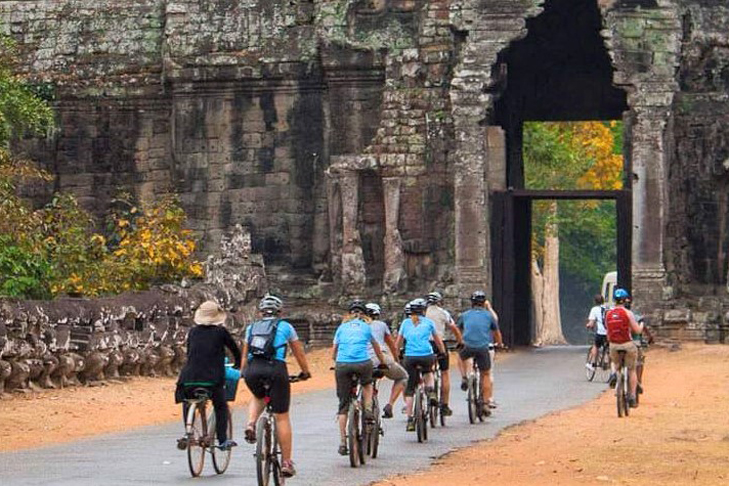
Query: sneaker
(491, 404)
(387, 411)
(639, 388)
(445, 410)
(250, 434)
(590, 366)
(613, 380)
(227, 445)
(182, 443)
(410, 427)
(404, 410)
(464, 383)
(486, 411)
(287, 469)
(343, 450)
(432, 396)
(632, 402)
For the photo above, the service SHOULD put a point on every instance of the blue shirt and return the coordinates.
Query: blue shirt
(477, 325)
(417, 338)
(285, 333)
(352, 339)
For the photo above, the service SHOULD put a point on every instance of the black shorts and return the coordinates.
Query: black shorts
(344, 374)
(444, 360)
(481, 355)
(425, 363)
(259, 372)
(600, 340)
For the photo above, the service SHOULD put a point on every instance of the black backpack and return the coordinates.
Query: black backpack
(261, 337)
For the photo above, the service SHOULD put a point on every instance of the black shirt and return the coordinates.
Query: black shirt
(206, 355)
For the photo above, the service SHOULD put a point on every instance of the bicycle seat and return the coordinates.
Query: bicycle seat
(377, 374)
(201, 393)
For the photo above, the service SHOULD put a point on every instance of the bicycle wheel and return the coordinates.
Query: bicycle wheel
(221, 458)
(472, 398)
(263, 450)
(353, 435)
(418, 414)
(604, 360)
(433, 409)
(424, 420)
(196, 439)
(374, 437)
(364, 435)
(620, 395)
(590, 373)
(626, 390)
(278, 479)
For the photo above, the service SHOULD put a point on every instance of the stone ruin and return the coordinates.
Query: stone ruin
(72, 341)
(370, 145)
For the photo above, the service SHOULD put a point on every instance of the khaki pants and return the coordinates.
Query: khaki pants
(631, 353)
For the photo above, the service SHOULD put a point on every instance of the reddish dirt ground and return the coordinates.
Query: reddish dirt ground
(678, 435)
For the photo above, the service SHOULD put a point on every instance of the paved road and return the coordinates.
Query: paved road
(529, 384)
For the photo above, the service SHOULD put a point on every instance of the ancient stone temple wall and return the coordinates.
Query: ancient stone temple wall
(360, 141)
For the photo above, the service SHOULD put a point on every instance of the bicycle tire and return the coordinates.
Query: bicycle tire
(196, 440)
(433, 409)
(278, 479)
(626, 390)
(471, 399)
(221, 458)
(604, 360)
(263, 450)
(590, 373)
(353, 435)
(374, 442)
(418, 414)
(364, 436)
(424, 421)
(620, 396)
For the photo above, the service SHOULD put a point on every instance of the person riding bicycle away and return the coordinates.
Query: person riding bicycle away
(443, 321)
(395, 371)
(416, 332)
(480, 326)
(620, 323)
(641, 341)
(264, 347)
(596, 321)
(351, 356)
(205, 367)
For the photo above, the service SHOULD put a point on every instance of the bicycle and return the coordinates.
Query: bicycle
(474, 395)
(434, 407)
(376, 431)
(200, 434)
(622, 387)
(601, 365)
(421, 413)
(268, 450)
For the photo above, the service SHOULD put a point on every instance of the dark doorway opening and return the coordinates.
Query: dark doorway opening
(372, 226)
(560, 71)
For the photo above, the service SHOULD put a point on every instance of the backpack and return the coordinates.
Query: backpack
(261, 337)
(617, 323)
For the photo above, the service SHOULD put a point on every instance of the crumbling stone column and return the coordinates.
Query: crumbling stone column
(353, 267)
(395, 274)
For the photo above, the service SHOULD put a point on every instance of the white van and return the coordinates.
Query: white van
(609, 282)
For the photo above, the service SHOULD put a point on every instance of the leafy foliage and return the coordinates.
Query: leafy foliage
(582, 155)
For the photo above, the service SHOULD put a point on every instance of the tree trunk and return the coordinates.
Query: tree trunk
(548, 319)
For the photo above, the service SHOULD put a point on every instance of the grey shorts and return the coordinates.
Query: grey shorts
(344, 373)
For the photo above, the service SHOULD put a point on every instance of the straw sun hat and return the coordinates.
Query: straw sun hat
(209, 314)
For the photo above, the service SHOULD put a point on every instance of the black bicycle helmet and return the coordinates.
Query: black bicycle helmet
(478, 297)
(358, 305)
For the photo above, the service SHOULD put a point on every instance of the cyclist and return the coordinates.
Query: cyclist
(416, 332)
(261, 368)
(443, 321)
(596, 321)
(350, 353)
(205, 367)
(620, 323)
(395, 371)
(641, 342)
(480, 326)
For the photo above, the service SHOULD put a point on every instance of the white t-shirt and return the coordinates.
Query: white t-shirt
(440, 317)
(379, 331)
(596, 314)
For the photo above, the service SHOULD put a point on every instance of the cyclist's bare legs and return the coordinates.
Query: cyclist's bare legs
(255, 408)
(283, 432)
(342, 427)
(593, 353)
(463, 365)
(367, 396)
(397, 389)
(428, 380)
(486, 388)
(445, 387)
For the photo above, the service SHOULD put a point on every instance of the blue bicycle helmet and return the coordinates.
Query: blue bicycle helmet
(620, 294)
